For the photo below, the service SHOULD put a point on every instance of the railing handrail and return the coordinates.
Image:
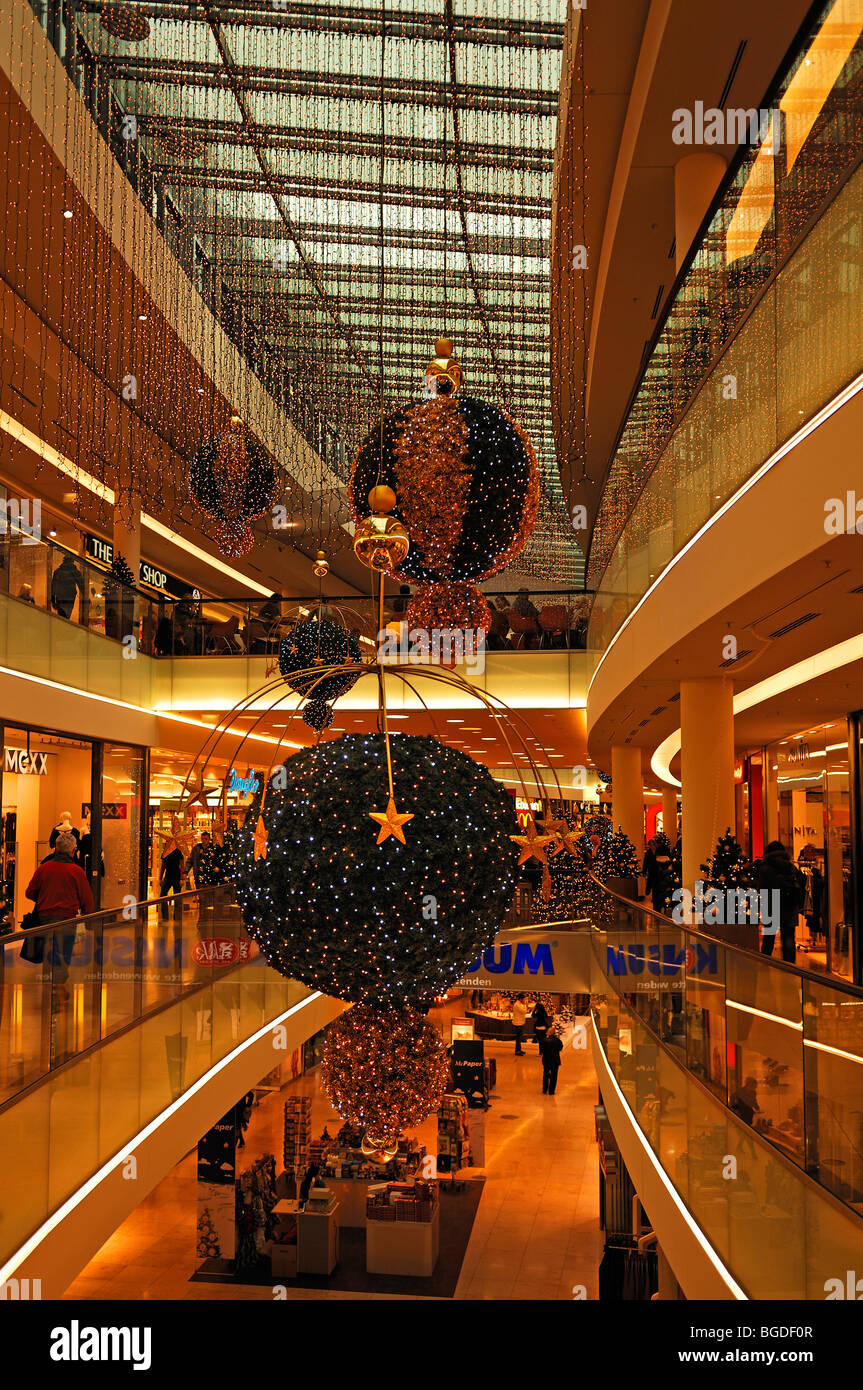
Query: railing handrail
(27, 933)
(854, 991)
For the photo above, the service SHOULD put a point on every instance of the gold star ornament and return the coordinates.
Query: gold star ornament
(391, 822)
(531, 845)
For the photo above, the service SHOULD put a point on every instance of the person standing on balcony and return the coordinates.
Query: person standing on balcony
(66, 584)
(776, 871)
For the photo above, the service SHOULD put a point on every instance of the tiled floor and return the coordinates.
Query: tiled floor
(536, 1233)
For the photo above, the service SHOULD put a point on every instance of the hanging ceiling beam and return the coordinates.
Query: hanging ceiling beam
(345, 19)
(403, 91)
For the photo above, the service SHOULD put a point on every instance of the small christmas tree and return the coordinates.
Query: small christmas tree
(574, 893)
(210, 869)
(208, 1238)
(621, 860)
(119, 574)
(665, 881)
(229, 852)
(728, 866)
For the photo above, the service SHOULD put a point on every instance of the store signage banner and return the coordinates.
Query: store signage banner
(148, 574)
(217, 1172)
(534, 958)
(19, 760)
(220, 950)
(111, 810)
(645, 966)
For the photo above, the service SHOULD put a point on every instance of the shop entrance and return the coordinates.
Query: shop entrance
(52, 782)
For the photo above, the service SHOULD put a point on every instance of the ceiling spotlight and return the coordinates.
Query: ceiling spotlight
(142, 318)
(67, 212)
(52, 533)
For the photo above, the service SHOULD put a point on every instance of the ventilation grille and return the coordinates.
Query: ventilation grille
(858, 590)
(732, 660)
(798, 622)
(659, 709)
(672, 699)
(657, 301)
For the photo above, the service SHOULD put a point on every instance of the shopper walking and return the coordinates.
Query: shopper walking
(541, 1023)
(200, 851)
(60, 890)
(171, 876)
(777, 872)
(519, 1018)
(550, 1050)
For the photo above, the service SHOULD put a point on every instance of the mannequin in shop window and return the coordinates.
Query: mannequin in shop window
(85, 853)
(64, 826)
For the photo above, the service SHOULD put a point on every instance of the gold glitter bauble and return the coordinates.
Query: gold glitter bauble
(321, 567)
(381, 542)
(382, 498)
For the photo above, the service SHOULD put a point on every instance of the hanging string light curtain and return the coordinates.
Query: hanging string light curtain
(250, 137)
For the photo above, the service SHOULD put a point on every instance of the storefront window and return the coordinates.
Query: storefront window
(808, 809)
(123, 784)
(46, 788)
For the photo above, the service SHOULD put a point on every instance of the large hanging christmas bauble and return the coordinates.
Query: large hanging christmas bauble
(318, 642)
(384, 1070)
(467, 489)
(389, 922)
(232, 479)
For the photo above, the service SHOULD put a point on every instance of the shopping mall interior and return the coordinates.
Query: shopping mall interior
(431, 668)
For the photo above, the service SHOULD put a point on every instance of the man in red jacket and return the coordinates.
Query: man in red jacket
(60, 890)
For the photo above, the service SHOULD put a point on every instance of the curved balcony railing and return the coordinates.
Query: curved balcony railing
(745, 1076)
(195, 625)
(64, 989)
(765, 327)
(116, 1024)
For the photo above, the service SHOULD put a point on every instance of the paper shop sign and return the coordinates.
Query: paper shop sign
(646, 967)
(531, 958)
(220, 950)
(19, 760)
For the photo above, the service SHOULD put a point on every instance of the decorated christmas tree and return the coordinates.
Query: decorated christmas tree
(574, 892)
(229, 851)
(210, 869)
(208, 1239)
(728, 866)
(119, 574)
(666, 881)
(620, 858)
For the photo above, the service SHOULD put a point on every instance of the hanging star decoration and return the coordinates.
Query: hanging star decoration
(531, 845)
(561, 832)
(260, 839)
(555, 830)
(391, 822)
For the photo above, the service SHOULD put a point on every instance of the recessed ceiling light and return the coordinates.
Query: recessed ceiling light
(52, 533)
(142, 318)
(67, 212)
